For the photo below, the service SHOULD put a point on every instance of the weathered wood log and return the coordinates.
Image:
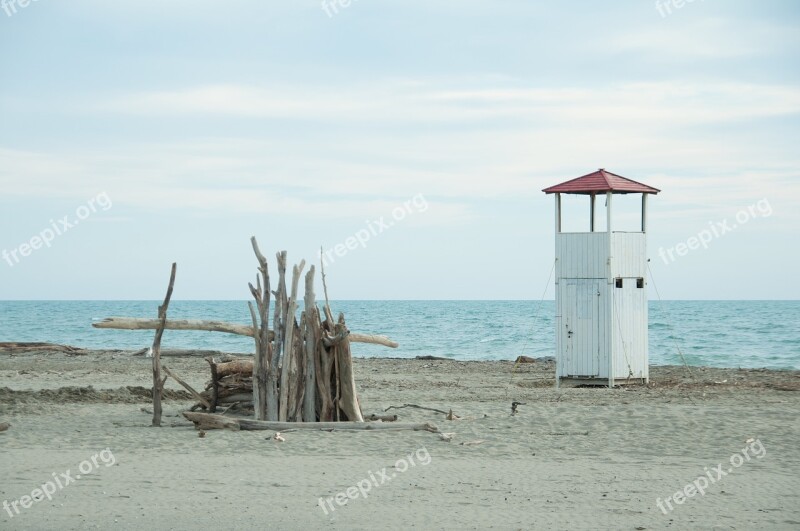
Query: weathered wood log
(158, 383)
(373, 339)
(236, 381)
(326, 384)
(262, 392)
(337, 386)
(225, 392)
(139, 323)
(289, 369)
(348, 400)
(14, 347)
(239, 366)
(382, 418)
(273, 407)
(332, 340)
(188, 387)
(419, 407)
(236, 397)
(328, 313)
(136, 323)
(207, 421)
(297, 390)
(310, 335)
(191, 353)
(260, 361)
(214, 385)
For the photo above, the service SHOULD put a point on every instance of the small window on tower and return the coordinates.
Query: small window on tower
(619, 282)
(639, 282)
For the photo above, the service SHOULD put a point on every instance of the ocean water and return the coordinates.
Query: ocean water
(711, 333)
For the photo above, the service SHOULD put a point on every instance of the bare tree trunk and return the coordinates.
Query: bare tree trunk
(158, 383)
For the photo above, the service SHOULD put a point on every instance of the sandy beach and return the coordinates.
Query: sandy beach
(568, 459)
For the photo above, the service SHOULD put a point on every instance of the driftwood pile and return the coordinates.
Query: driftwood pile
(321, 388)
(302, 370)
(305, 371)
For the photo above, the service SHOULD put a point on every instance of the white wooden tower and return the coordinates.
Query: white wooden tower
(601, 295)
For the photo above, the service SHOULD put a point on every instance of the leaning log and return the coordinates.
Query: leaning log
(206, 404)
(207, 421)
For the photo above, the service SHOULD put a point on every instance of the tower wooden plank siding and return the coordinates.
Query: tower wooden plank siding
(601, 298)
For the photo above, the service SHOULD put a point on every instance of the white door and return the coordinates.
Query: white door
(580, 326)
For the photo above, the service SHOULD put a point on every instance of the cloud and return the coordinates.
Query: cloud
(466, 146)
(646, 104)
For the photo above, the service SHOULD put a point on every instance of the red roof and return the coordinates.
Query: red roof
(601, 181)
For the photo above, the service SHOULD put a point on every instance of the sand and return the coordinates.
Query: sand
(569, 459)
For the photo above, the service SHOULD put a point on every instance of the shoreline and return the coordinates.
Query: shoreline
(13, 349)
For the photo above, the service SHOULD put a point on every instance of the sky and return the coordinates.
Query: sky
(410, 140)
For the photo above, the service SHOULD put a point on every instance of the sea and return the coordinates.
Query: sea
(709, 333)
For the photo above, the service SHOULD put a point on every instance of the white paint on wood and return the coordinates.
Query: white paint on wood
(601, 329)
